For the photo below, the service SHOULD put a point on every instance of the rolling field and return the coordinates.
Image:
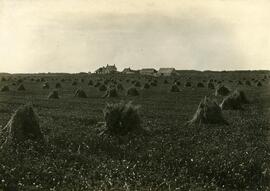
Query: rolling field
(169, 156)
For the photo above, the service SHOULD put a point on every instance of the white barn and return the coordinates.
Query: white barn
(166, 72)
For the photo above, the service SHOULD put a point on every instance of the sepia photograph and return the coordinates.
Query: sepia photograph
(134, 95)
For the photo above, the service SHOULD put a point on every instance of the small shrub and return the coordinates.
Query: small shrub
(200, 85)
(234, 101)
(106, 82)
(241, 96)
(208, 112)
(177, 83)
(46, 86)
(24, 125)
(122, 118)
(240, 83)
(132, 92)
(248, 83)
(137, 84)
(58, 85)
(153, 83)
(97, 84)
(74, 83)
(146, 86)
(21, 87)
(188, 84)
(53, 95)
(174, 88)
(120, 87)
(230, 103)
(102, 88)
(5, 89)
(90, 83)
(19, 81)
(210, 85)
(259, 84)
(222, 90)
(111, 92)
(80, 93)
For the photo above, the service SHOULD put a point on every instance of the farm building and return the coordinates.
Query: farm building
(106, 70)
(166, 72)
(148, 71)
(129, 71)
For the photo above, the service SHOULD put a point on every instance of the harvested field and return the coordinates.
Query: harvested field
(168, 155)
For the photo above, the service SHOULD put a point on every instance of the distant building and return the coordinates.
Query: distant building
(166, 72)
(129, 71)
(148, 71)
(106, 70)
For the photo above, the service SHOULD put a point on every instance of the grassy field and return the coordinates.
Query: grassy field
(170, 156)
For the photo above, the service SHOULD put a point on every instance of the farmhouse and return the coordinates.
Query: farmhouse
(106, 70)
(129, 71)
(166, 72)
(148, 71)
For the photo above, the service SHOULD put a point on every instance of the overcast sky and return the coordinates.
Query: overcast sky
(81, 35)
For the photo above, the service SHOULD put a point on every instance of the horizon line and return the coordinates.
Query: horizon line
(191, 70)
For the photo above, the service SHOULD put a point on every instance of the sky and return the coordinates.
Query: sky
(82, 35)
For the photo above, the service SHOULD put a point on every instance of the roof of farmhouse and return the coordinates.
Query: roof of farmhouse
(166, 70)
